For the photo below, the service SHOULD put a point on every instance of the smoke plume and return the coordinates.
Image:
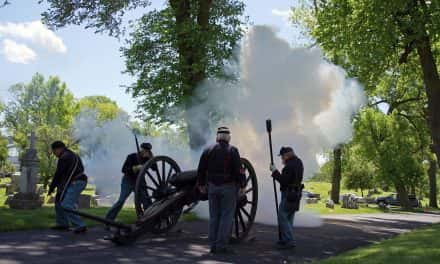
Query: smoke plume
(105, 145)
(310, 101)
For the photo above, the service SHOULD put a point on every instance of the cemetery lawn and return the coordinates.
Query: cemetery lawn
(323, 188)
(320, 208)
(420, 246)
(43, 218)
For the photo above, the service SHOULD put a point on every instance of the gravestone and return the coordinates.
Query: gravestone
(312, 200)
(13, 185)
(349, 201)
(330, 204)
(27, 196)
(84, 201)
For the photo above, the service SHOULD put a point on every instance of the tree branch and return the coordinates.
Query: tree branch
(408, 49)
(409, 118)
(399, 103)
(377, 103)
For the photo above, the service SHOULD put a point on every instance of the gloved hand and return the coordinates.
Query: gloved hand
(272, 168)
(137, 168)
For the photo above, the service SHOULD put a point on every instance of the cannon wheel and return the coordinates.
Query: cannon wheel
(155, 182)
(246, 204)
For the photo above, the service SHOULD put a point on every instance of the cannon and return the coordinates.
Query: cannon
(172, 193)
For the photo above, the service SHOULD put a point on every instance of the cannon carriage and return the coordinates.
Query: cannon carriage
(172, 193)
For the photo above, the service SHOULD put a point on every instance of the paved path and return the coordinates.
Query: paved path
(339, 233)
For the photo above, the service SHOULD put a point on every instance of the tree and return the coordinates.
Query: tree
(45, 107)
(106, 109)
(4, 3)
(372, 38)
(432, 176)
(3, 144)
(374, 41)
(337, 174)
(359, 178)
(170, 52)
(3, 151)
(325, 172)
(359, 173)
(389, 142)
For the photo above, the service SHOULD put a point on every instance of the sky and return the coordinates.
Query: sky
(89, 63)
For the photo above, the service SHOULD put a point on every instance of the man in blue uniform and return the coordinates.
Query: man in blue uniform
(131, 168)
(290, 180)
(219, 174)
(70, 181)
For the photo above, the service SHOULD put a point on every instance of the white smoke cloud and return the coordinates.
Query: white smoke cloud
(310, 101)
(17, 53)
(105, 145)
(36, 32)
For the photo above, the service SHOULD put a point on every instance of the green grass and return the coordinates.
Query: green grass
(42, 218)
(3, 191)
(420, 246)
(321, 209)
(323, 188)
(5, 180)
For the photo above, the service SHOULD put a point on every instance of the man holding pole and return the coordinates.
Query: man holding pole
(132, 165)
(290, 180)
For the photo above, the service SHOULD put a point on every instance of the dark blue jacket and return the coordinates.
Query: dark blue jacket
(220, 160)
(65, 169)
(291, 175)
(133, 159)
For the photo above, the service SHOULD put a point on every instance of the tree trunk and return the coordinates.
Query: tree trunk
(402, 192)
(432, 173)
(336, 179)
(432, 87)
(192, 64)
(197, 128)
(412, 190)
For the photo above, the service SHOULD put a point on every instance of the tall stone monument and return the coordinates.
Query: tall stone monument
(27, 197)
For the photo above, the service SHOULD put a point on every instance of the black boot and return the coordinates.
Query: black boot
(225, 250)
(80, 230)
(60, 228)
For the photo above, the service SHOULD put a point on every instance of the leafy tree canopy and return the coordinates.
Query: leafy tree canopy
(46, 107)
